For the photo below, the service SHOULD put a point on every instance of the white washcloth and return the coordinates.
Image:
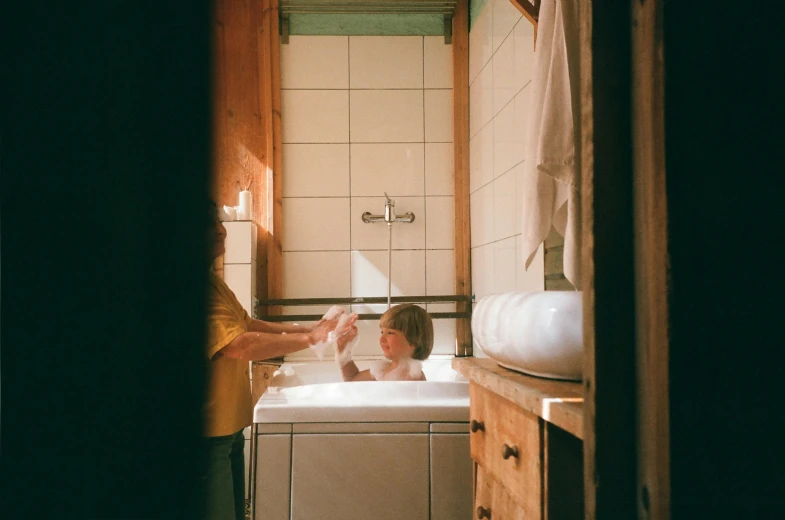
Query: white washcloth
(551, 177)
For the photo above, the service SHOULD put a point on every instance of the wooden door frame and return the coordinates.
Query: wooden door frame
(624, 261)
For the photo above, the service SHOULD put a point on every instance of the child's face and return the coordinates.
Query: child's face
(394, 344)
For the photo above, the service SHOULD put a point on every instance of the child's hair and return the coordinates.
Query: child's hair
(415, 324)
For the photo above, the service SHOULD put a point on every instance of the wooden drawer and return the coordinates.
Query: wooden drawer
(508, 431)
(492, 502)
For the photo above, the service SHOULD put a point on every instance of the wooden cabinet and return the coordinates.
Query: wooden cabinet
(527, 465)
(505, 443)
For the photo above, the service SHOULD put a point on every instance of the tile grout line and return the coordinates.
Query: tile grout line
(424, 176)
(349, 80)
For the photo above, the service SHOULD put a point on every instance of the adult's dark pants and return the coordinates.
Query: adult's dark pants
(224, 479)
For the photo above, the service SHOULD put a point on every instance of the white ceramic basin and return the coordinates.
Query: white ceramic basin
(538, 333)
(393, 401)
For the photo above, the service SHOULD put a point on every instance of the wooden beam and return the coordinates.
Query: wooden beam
(269, 52)
(460, 85)
(607, 261)
(651, 260)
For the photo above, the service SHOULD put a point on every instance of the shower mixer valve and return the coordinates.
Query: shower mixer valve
(389, 214)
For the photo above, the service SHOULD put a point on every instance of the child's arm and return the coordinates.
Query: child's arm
(343, 356)
(350, 372)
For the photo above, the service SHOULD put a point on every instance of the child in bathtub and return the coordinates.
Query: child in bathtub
(406, 340)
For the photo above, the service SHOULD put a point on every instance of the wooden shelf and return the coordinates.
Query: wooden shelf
(529, 9)
(557, 402)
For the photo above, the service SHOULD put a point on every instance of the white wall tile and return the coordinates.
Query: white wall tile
(504, 266)
(517, 174)
(481, 100)
(240, 279)
(317, 224)
(386, 61)
(481, 159)
(533, 278)
(505, 16)
(315, 116)
(321, 310)
(506, 143)
(443, 336)
(521, 122)
(504, 217)
(481, 41)
(375, 235)
(504, 75)
(438, 62)
(440, 223)
(523, 35)
(440, 272)
(315, 62)
(316, 274)
(394, 168)
(438, 116)
(482, 271)
(240, 242)
(316, 170)
(481, 207)
(386, 116)
(368, 330)
(439, 166)
(369, 273)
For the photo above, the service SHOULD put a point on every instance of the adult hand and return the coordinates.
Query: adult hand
(320, 331)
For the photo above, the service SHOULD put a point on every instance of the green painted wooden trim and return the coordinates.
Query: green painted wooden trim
(475, 8)
(367, 24)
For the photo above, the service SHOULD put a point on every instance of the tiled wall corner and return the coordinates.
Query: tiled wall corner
(501, 59)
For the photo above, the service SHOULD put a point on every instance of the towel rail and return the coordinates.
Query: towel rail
(364, 316)
(363, 300)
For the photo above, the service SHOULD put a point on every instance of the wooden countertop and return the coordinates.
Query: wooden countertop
(558, 402)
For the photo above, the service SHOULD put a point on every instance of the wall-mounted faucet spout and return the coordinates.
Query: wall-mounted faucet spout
(389, 209)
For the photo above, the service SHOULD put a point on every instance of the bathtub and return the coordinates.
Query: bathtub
(315, 392)
(324, 449)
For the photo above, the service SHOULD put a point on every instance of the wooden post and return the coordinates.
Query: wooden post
(651, 260)
(269, 54)
(460, 85)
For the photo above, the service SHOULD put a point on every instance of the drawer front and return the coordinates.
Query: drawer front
(492, 502)
(483, 494)
(506, 508)
(508, 447)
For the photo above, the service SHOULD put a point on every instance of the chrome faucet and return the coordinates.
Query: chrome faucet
(389, 214)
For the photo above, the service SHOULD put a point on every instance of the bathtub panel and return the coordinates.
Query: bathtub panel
(273, 477)
(386, 475)
(451, 477)
(449, 428)
(360, 427)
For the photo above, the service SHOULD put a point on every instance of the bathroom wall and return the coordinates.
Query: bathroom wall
(364, 115)
(501, 60)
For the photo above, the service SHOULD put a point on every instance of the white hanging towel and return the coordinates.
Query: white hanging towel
(551, 171)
